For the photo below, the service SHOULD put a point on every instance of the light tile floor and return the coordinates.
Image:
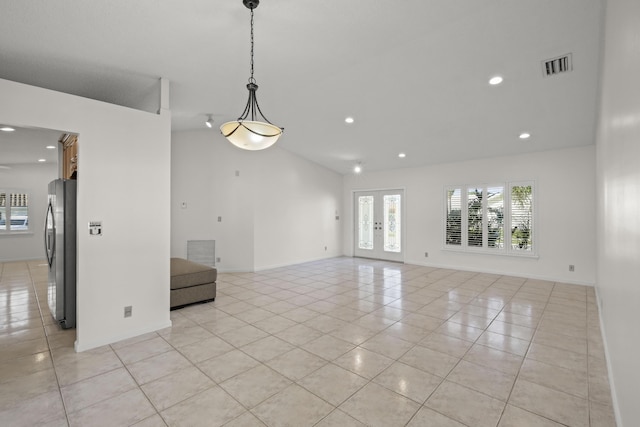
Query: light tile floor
(340, 342)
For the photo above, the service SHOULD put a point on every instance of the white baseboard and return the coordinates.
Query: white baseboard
(84, 346)
(614, 397)
(500, 272)
(300, 261)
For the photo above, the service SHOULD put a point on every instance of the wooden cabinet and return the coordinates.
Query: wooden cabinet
(69, 156)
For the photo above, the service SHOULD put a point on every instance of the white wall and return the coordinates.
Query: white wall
(618, 178)
(296, 203)
(276, 208)
(124, 181)
(565, 227)
(32, 179)
(203, 175)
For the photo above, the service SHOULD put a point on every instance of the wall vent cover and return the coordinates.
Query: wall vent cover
(560, 65)
(202, 252)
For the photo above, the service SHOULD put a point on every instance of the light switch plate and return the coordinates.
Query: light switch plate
(95, 228)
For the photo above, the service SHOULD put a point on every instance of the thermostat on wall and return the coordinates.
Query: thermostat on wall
(95, 228)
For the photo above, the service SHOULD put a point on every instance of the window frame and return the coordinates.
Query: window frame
(507, 220)
(5, 229)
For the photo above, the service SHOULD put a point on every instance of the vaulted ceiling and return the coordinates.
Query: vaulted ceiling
(412, 73)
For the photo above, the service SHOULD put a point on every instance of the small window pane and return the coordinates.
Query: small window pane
(495, 217)
(392, 223)
(365, 222)
(19, 212)
(522, 218)
(3, 211)
(453, 235)
(474, 221)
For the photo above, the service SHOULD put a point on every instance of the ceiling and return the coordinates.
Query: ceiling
(413, 73)
(28, 146)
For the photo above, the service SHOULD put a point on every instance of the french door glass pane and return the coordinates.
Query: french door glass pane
(391, 225)
(365, 222)
(474, 221)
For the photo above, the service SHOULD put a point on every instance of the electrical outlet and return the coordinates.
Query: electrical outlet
(219, 219)
(325, 248)
(237, 173)
(426, 254)
(128, 311)
(218, 259)
(572, 267)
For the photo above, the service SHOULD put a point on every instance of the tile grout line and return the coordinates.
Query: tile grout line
(524, 357)
(470, 347)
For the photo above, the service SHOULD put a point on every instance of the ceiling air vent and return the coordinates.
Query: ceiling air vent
(559, 65)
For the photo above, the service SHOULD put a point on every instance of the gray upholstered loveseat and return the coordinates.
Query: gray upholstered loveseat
(191, 282)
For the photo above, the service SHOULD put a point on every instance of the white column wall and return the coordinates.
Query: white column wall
(124, 181)
(565, 218)
(618, 178)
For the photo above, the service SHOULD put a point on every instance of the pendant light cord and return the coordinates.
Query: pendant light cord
(251, 79)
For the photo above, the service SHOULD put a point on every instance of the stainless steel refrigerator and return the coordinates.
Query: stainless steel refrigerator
(60, 247)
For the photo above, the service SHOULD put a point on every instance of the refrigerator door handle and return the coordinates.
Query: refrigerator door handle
(49, 238)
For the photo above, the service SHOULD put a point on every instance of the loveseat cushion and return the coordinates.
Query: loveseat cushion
(186, 273)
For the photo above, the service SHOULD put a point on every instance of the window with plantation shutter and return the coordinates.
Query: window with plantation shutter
(14, 211)
(475, 214)
(453, 230)
(490, 218)
(495, 217)
(522, 218)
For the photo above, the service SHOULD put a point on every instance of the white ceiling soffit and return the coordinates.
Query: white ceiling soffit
(413, 73)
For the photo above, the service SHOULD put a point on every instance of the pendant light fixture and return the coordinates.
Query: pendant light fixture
(248, 132)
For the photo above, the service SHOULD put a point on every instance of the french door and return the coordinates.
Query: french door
(378, 224)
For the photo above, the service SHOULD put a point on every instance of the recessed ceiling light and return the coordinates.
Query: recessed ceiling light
(402, 155)
(7, 129)
(495, 80)
(348, 120)
(357, 169)
(50, 147)
(525, 135)
(42, 160)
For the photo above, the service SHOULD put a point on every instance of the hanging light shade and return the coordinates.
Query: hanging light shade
(249, 132)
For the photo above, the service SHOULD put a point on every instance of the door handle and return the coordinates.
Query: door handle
(50, 237)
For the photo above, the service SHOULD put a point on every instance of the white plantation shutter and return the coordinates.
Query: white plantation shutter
(522, 217)
(14, 211)
(453, 227)
(475, 215)
(495, 217)
(3, 211)
(490, 218)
